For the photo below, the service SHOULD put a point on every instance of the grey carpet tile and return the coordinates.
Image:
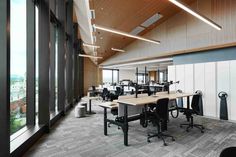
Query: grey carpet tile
(83, 137)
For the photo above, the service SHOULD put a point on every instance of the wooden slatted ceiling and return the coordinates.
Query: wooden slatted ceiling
(125, 15)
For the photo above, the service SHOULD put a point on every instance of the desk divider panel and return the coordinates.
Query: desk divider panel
(232, 107)
(223, 83)
(210, 90)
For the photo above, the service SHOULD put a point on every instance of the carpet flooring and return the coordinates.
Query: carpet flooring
(83, 137)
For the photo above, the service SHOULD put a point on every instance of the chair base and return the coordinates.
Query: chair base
(159, 135)
(190, 126)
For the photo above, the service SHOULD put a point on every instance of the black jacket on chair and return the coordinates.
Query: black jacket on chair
(195, 109)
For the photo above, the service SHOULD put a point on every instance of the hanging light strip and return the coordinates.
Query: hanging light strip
(196, 14)
(118, 50)
(90, 45)
(89, 56)
(124, 34)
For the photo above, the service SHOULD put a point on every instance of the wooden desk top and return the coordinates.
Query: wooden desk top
(109, 105)
(152, 99)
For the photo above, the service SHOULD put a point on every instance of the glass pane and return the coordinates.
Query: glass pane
(36, 61)
(56, 69)
(18, 65)
(115, 76)
(107, 76)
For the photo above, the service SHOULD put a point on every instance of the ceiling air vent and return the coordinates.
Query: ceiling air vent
(137, 30)
(92, 14)
(152, 20)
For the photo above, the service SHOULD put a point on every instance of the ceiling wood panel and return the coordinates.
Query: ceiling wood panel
(125, 15)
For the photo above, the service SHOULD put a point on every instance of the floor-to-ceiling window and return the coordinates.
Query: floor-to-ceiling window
(56, 70)
(110, 76)
(18, 65)
(36, 60)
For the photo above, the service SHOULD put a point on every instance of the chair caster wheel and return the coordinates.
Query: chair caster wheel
(165, 144)
(173, 139)
(180, 126)
(148, 141)
(187, 130)
(202, 131)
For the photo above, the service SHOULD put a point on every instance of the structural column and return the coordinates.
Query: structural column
(5, 78)
(69, 52)
(44, 58)
(61, 55)
(30, 91)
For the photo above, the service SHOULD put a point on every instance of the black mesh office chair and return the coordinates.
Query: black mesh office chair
(228, 152)
(190, 112)
(105, 94)
(118, 91)
(158, 115)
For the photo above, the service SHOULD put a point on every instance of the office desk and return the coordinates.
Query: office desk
(141, 101)
(90, 98)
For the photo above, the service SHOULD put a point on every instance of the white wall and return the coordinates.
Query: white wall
(211, 78)
(127, 74)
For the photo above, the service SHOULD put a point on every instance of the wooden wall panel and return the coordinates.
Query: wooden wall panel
(223, 82)
(210, 107)
(183, 33)
(233, 90)
(90, 74)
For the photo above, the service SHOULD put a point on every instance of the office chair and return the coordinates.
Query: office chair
(105, 94)
(158, 115)
(228, 152)
(118, 91)
(114, 112)
(190, 112)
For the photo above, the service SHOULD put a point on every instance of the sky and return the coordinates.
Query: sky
(18, 37)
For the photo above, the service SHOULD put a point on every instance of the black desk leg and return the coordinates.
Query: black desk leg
(90, 107)
(188, 105)
(125, 125)
(105, 121)
(90, 102)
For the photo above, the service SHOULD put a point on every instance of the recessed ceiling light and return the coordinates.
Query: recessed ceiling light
(118, 50)
(125, 34)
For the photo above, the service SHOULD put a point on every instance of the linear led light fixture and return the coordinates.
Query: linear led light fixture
(196, 14)
(118, 50)
(124, 34)
(90, 56)
(90, 45)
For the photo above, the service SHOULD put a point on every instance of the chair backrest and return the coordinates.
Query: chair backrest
(162, 108)
(228, 152)
(195, 103)
(118, 91)
(105, 91)
(93, 88)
